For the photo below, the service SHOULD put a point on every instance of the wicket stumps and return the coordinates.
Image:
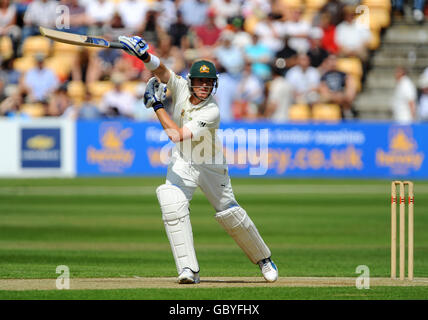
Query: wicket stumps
(402, 199)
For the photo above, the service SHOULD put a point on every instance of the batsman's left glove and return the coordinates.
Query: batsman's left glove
(155, 94)
(136, 46)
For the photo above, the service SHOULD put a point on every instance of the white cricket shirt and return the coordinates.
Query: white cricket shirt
(202, 120)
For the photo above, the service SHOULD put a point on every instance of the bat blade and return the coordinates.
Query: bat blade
(77, 39)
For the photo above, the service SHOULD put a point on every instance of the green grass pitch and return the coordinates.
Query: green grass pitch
(112, 227)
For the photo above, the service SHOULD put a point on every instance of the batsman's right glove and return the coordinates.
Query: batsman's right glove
(136, 46)
(155, 94)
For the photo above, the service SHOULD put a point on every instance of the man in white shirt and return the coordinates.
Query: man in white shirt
(40, 81)
(133, 13)
(298, 31)
(304, 80)
(39, 13)
(404, 98)
(100, 11)
(197, 160)
(121, 101)
(351, 36)
(279, 97)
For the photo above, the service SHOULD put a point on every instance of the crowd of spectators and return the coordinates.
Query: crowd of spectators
(270, 55)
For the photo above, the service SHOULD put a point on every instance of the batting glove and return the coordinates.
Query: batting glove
(136, 46)
(155, 94)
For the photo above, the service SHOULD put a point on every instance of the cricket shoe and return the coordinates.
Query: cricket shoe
(269, 270)
(187, 276)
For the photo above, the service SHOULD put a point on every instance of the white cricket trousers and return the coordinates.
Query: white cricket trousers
(213, 179)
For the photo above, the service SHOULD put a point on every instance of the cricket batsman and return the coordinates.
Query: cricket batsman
(192, 126)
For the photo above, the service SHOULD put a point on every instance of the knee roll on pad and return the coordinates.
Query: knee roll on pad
(241, 228)
(175, 214)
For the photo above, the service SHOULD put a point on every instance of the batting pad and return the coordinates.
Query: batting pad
(241, 228)
(175, 214)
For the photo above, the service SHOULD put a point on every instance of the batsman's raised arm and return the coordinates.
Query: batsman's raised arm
(138, 47)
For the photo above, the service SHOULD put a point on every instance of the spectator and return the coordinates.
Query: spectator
(260, 57)
(225, 96)
(286, 58)
(58, 102)
(316, 53)
(132, 13)
(404, 98)
(178, 32)
(151, 29)
(80, 65)
(208, 33)
(117, 102)
(328, 41)
(230, 56)
(423, 99)
(279, 97)
(256, 7)
(171, 56)
(101, 65)
(78, 17)
(298, 30)
(352, 37)
(270, 31)
(10, 76)
(249, 95)
(11, 106)
(2, 86)
(100, 12)
(241, 38)
(418, 9)
(40, 81)
(39, 13)
(304, 80)
(333, 8)
(88, 110)
(8, 27)
(116, 27)
(338, 87)
(167, 12)
(225, 9)
(194, 12)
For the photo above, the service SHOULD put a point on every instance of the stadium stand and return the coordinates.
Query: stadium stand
(95, 73)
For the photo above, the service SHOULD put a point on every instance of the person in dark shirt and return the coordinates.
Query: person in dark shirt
(315, 52)
(337, 87)
(285, 58)
(178, 32)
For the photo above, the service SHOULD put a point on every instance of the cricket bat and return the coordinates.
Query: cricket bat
(79, 40)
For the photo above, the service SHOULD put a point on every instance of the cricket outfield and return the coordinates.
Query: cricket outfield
(109, 233)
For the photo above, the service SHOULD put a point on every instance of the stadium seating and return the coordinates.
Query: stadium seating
(385, 4)
(99, 88)
(61, 65)
(36, 44)
(6, 48)
(326, 112)
(131, 86)
(292, 3)
(351, 66)
(62, 49)
(314, 5)
(77, 91)
(299, 113)
(33, 109)
(24, 64)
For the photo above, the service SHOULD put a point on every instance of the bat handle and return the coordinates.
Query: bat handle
(116, 45)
